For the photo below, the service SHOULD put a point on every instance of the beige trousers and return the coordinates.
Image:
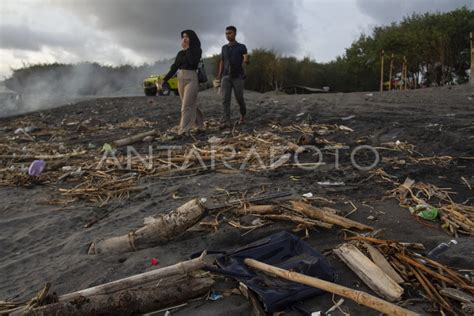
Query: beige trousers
(191, 115)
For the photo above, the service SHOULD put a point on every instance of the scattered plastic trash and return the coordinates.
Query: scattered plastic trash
(67, 168)
(31, 129)
(369, 94)
(257, 222)
(442, 247)
(308, 195)
(107, 148)
(91, 146)
(19, 130)
(329, 183)
(214, 140)
(300, 114)
(345, 128)
(36, 168)
(371, 218)
(214, 296)
(350, 117)
(425, 211)
(166, 137)
(77, 172)
(154, 261)
(148, 139)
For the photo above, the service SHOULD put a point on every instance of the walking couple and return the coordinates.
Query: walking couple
(230, 75)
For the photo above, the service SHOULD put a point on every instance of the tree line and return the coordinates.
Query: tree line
(436, 47)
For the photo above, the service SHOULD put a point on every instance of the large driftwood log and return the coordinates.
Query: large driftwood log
(357, 296)
(325, 216)
(178, 270)
(160, 231)
(371, 274)
(181, 268)
(168, 292)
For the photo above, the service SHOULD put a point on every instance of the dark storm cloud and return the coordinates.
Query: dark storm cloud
(387, 11)
(153, 27)
(23, 37)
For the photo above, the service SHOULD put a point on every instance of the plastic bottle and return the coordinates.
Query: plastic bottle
(442, 247)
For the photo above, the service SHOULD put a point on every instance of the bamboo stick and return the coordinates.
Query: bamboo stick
(357, 296)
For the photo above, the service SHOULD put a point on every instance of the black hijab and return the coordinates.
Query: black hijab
(194, 41)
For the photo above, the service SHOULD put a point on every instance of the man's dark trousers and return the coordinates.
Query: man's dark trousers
(237, 84)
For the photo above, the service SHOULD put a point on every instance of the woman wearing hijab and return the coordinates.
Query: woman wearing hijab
(187, 62)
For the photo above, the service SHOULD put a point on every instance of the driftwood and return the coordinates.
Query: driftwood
(457, 295)
(42, 157)
(160, 231)
(296, 219)
(258, 209)
(180, 268)
(380, 261)
(426, 276)
(135, 138)
(325, 216)
(357, 296)
(168, 292)
(157, 276)
(371, 274)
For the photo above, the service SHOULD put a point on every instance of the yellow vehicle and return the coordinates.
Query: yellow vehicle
(149, 85)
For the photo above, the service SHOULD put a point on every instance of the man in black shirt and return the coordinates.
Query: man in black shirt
(232, 75)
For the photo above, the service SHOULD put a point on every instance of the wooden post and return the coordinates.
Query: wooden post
(390, 74)
(471, 76)
(381, 71)
(405, 81)
(402, 75)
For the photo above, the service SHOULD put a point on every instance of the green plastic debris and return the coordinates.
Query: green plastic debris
(425, 211)
(107, 148)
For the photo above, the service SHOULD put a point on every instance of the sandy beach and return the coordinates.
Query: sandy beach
(44, 241)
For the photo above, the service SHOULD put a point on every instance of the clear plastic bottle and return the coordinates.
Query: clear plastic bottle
(442, 247)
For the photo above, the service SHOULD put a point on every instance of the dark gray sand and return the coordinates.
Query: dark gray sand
(41, 243)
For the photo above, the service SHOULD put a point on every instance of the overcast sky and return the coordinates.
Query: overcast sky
(137, 31)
